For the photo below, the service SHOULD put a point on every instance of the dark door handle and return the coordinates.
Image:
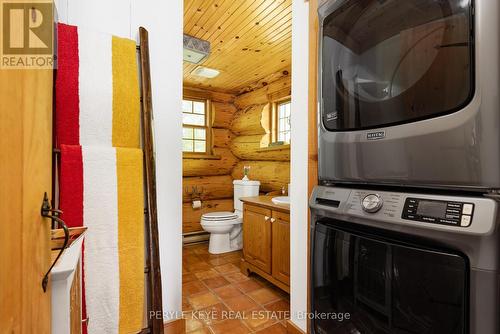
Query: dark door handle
(52, 214)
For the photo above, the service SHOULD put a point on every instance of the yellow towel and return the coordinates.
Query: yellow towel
(130, 238)
(126, 103)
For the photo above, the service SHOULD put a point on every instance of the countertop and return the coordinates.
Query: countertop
(265, 202)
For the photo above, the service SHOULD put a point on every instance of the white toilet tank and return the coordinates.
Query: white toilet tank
(244, 188)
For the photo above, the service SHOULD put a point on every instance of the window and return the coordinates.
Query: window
(283, 121)
(391, 62)
(195, 126)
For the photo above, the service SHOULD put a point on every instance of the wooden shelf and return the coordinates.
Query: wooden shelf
(57, 237)
(274, 148)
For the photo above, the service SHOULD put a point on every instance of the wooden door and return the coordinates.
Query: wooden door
(257, 237)
(25, 174)
(281, 246)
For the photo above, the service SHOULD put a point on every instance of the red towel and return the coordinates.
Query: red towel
(71, 199)
(67, 96)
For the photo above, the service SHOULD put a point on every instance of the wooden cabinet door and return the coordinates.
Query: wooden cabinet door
(257, 237)
(25, 174)
(281, 246)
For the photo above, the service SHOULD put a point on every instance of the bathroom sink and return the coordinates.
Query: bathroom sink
(281, 200)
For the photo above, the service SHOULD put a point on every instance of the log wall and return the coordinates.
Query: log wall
(272, 174)
(252, 126)
(211, 187)
(252, 120)
(210, 178)
(274, 90)
(191, 218)
(222, 163)
(254, 148)
(241, 132)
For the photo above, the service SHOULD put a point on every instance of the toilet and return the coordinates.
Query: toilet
(225, 228)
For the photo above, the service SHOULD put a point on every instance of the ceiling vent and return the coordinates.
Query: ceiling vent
(205, 72)
(195, 50)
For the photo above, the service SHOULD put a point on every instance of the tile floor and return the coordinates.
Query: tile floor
(218, 299)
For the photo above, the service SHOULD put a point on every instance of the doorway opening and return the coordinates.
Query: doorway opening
(236, 144)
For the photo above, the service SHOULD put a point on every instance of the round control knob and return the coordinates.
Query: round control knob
(372, 203)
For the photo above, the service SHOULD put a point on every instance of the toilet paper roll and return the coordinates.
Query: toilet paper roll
(197, 204)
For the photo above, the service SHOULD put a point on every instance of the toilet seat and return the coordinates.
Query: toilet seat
(220, 223)
(219, 216)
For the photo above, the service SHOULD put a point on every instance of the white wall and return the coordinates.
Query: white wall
(299, 159)
(164, 21)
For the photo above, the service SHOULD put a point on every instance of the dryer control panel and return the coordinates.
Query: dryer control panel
(459, 214)
(438, 212)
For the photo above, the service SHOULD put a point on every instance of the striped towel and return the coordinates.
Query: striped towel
(102, 188)
(101, 182)
(97, 89)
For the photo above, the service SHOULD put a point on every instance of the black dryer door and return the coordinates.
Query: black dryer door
(369, 282)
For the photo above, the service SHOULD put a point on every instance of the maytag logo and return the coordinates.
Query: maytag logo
(375, 135)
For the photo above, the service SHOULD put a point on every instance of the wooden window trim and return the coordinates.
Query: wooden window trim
(274, 120)
(208, 154)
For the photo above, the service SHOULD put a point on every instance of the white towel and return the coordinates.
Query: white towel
(100, 211)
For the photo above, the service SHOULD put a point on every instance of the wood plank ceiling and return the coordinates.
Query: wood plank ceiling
(251, 41)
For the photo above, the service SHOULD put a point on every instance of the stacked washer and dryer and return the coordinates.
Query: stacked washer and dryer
(404, 233)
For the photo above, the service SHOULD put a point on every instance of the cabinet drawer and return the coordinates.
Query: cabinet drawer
(281, 216)
(257, 209)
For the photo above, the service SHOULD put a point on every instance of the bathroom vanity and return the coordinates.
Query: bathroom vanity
(266, 240)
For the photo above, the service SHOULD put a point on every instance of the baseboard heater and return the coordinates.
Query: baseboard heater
(195, 237)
